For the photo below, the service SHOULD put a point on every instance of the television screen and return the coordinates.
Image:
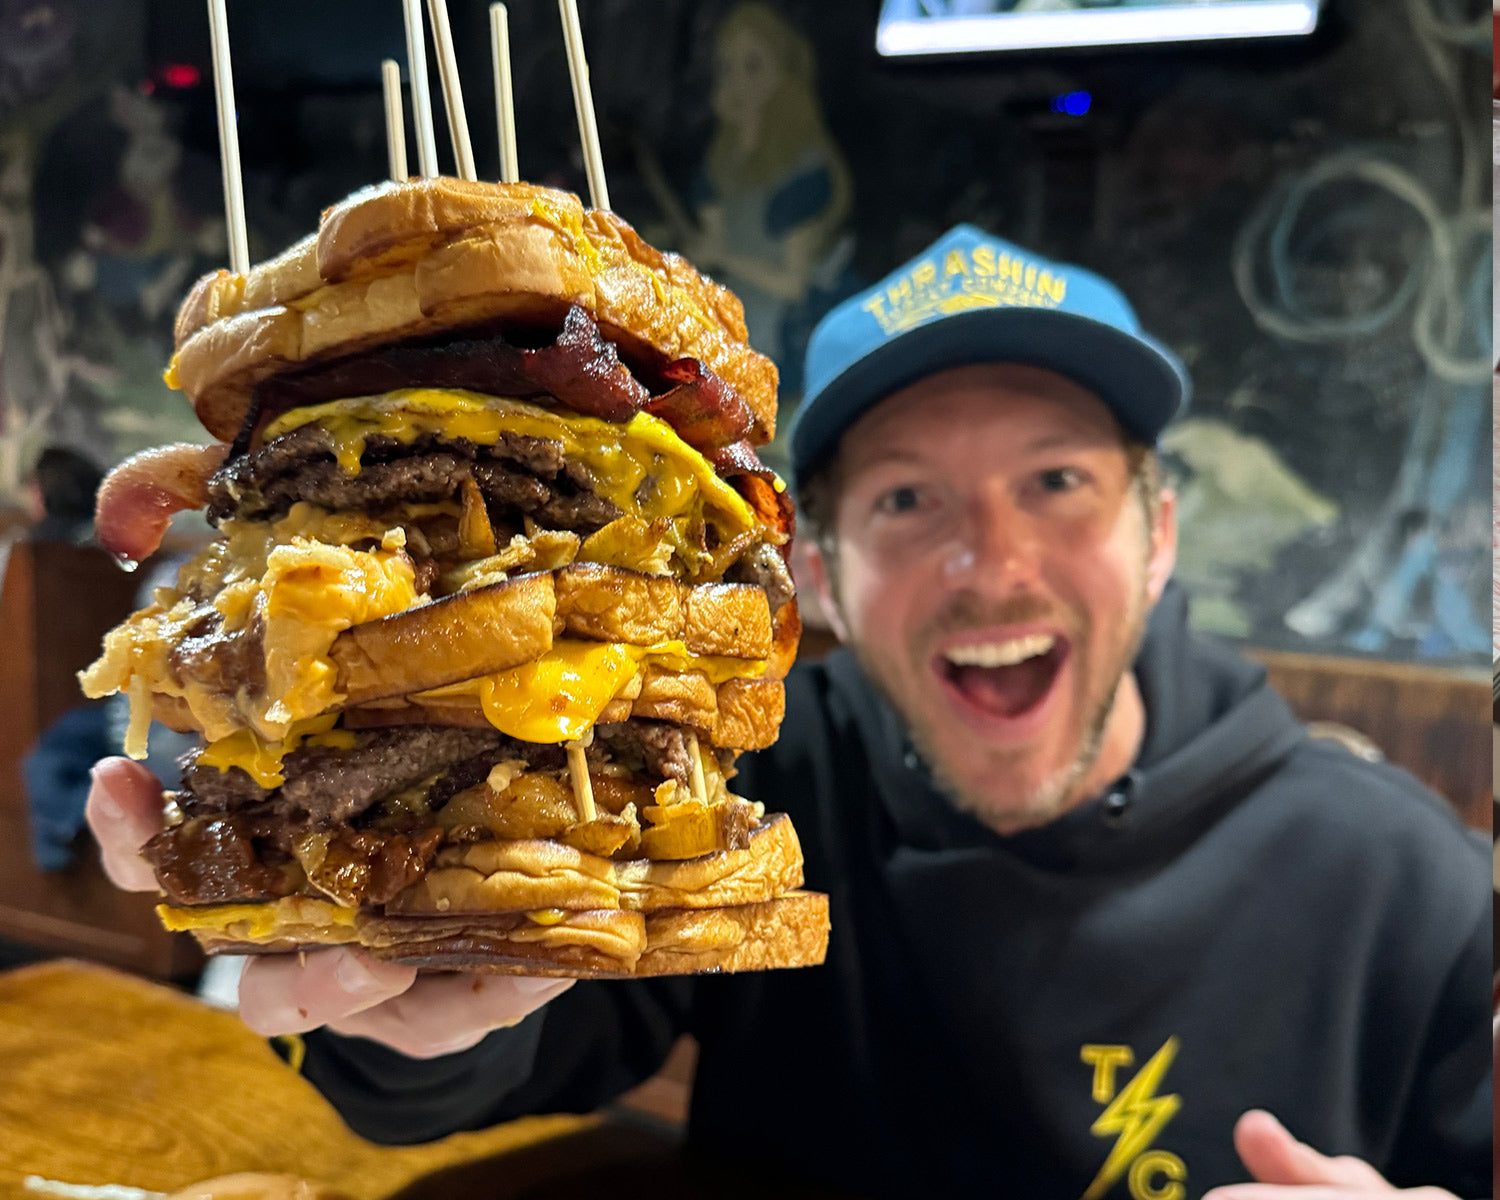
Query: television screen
(910, 27)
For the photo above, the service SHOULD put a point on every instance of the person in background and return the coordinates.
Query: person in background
(1100, 905)
(60, 496)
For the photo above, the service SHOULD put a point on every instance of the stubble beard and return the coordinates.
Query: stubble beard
(1045, 801)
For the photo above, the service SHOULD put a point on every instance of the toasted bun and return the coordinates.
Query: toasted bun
(419, 258)
(505, 624)
(788, 931)
(526, 875)
(459, 637)
(739, 714)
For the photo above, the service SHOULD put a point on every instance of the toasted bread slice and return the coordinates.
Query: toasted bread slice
(505, 624)
(789, 931)
(748, 713)
(583, 943)
(729, 619)
(753, 718)
(472, 633)
(680, 697)
(533, 874)
(785, 931)
(415, 259)
(611, 604)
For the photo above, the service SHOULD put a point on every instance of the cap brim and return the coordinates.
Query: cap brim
(1142, 383)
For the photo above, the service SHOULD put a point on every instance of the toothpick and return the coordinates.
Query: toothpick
(453, 93)
(583, 103)
(578, 771)
(505, 108)
(421, 99)
(229, 139)
(395, 120)
(695, 756)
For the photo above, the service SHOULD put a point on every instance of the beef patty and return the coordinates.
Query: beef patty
(518, 472)
(326, 785)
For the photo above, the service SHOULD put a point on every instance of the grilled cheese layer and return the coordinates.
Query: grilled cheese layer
(559, 696)
(552, 699)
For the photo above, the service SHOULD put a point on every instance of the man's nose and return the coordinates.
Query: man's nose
(998, 548)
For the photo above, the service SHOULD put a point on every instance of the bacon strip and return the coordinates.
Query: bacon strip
(580, 369)
(704, 410)
(739, 465)
(137, 499)
(584, 371)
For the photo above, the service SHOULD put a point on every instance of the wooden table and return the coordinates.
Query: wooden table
(106, 1078)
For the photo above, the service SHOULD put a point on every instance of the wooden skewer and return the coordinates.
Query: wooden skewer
(229, 139)
(700, 785)
(505, 109)
(578, 771)
(395, 120)
(421, 98)
(583, 102)
(453, 93)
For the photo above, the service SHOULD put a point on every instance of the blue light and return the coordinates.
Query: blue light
(1075, 104)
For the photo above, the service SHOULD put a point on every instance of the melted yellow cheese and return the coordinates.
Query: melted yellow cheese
(308, 594)
(255, 922)
(313, 593)
(261, 760)
(558, 697)
(567, 221)
(552, 699)
(243, 547)
(619, 456)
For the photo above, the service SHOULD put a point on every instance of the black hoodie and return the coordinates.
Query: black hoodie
(1249, 918)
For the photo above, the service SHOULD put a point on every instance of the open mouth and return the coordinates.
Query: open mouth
(1005, 678)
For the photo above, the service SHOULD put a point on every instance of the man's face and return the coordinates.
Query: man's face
(995, 571)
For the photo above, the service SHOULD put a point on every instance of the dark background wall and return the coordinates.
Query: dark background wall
(1305, 223)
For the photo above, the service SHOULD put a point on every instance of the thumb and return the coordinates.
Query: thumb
(1272, 1155)
(124, 812)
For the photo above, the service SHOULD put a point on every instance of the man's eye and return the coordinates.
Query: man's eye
(1061, 479)
(898, 500)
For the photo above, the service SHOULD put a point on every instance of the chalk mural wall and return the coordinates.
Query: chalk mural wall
(1307, 224)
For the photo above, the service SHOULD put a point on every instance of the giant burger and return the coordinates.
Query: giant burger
(498, 595)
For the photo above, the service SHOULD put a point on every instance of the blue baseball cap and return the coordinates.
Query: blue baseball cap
(970, 298)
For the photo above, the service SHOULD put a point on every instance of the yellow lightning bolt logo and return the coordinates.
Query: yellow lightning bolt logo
(1135, 1116)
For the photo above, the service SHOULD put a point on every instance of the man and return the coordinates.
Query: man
(1094, 893)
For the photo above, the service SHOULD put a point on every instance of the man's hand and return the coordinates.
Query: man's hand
(1290, 1170)
(342, 988)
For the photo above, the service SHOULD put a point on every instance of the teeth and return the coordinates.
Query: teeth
(1001, 654)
